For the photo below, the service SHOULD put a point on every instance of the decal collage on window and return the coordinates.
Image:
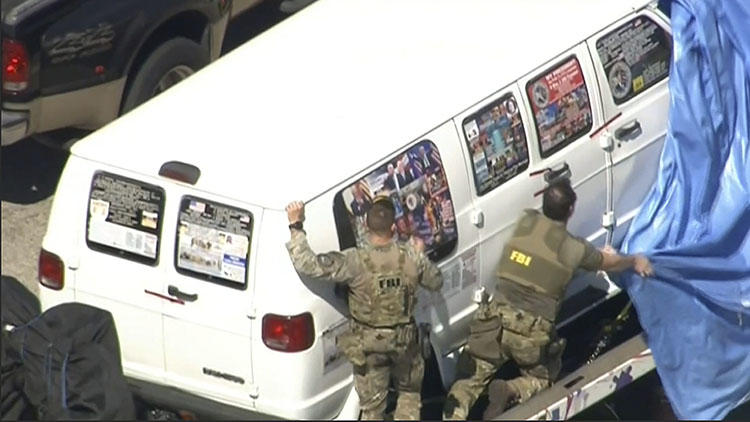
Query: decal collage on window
(416, 183)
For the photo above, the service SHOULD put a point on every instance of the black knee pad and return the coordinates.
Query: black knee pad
(466, 366)
(451, 404)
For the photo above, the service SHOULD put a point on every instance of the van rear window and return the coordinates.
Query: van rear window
(416, 183)
(213, 241)
(124, 217)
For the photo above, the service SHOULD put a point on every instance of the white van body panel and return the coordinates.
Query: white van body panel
(636, 159)
(325, 109)
(374, 72)
(312, 383)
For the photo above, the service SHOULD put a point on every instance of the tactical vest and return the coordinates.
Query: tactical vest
(533, 273)
(385, 294)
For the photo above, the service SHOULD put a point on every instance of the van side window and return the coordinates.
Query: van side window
(635, 56)
(415, 181)
(560, 102)
(497, 143)
(124, 217)
(213, 241)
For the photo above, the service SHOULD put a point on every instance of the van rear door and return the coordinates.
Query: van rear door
(119, 268)
(207, 328)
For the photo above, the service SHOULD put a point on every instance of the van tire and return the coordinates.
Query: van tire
(178, 58)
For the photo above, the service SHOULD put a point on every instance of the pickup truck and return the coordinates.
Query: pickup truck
(81, 63)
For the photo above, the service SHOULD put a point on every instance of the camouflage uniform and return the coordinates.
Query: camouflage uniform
(382, 342)
(536, 266)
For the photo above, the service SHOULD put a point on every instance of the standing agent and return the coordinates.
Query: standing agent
(382, 276)
(536, 266)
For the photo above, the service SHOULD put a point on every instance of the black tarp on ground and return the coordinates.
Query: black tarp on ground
(71, 365)
(13, 403)
(19, 306)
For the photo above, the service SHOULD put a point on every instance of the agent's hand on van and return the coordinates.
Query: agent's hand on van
(295, 211)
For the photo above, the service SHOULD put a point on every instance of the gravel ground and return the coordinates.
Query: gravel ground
(29, 173)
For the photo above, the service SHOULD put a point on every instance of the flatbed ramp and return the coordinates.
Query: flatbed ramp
(587, 385)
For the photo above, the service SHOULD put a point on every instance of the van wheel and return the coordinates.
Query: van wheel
(169, 64)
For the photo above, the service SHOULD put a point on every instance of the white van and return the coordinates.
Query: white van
(172, 216)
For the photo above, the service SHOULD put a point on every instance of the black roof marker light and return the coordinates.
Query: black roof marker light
(182, 172)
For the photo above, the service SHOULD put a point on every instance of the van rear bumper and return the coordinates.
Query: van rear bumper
(203, 408)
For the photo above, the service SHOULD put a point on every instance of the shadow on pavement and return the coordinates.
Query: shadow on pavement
(29, 171)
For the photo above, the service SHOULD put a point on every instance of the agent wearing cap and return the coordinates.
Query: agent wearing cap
(536, 265)
(382, 275)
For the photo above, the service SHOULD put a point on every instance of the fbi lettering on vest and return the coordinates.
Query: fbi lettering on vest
(520, 258)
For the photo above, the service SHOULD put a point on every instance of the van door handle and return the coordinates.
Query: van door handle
(477, 218)
(187, 297)
(629, 132)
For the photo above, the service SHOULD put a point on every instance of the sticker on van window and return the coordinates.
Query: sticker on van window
(635, 56)
(561, 107)
(124, 217)
(416, 183)
(213, 240)
(497, 143)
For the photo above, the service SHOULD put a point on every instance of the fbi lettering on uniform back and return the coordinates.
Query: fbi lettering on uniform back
(389, 282)
(520, 258)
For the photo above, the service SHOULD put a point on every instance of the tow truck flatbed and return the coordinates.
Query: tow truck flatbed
(588, 384)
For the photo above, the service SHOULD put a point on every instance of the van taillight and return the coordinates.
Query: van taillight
(15, 66)
(288, 333)
(51, 270)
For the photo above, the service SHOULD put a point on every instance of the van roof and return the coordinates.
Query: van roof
(339, 86)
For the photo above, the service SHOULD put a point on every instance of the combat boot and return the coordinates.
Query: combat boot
(500, 393)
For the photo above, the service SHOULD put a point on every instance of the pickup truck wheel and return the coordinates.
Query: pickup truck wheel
(169, 64)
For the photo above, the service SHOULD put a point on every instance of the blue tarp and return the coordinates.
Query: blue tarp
(694, 223)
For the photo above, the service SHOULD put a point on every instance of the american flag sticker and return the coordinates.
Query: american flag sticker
(197, 206)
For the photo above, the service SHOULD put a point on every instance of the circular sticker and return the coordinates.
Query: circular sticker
(620, 79)
(540, 94)
(411, 202)
(510, 107)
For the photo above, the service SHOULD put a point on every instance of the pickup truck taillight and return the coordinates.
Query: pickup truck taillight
(51, 270)
(15, 66)
(288, 333)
